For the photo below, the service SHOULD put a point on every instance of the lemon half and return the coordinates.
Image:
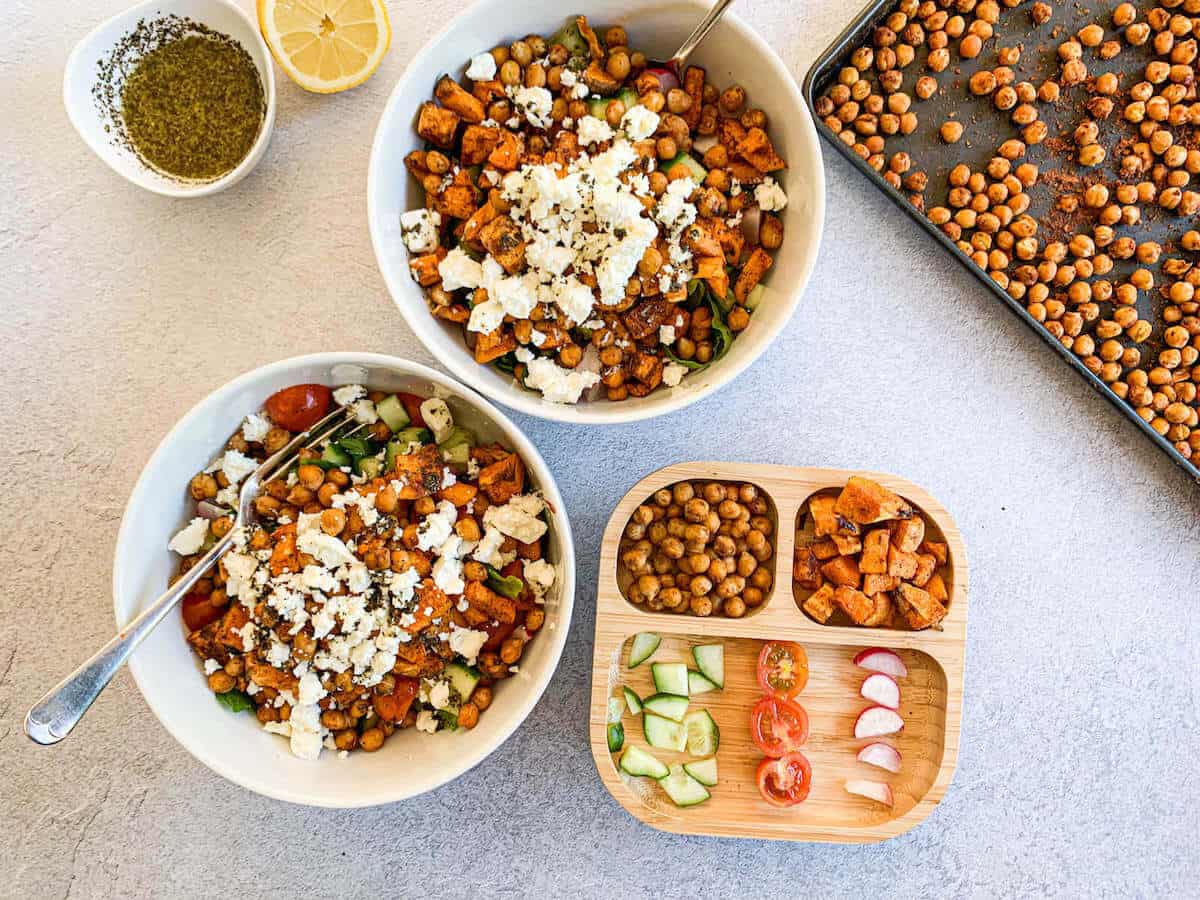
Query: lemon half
(326, 46)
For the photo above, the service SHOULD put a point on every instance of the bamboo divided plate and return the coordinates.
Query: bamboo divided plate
(931, 694)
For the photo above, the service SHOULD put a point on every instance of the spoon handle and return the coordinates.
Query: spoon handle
(685, 50)
(52, 718)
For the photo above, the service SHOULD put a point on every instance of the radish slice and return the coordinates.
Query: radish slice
(704, 142)
(667, 80)
(879, 660)
(881, 755)
(210, 511)
(874, 790)
(876, 721)
(882, 689)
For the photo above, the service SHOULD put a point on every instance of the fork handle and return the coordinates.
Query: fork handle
(706, 25)
(52, 718)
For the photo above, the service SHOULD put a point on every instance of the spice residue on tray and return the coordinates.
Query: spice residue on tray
(186, 99)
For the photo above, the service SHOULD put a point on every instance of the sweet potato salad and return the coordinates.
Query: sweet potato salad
(597, 226)
(390, 579)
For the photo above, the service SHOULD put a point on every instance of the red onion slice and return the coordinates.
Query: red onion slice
(667, 80)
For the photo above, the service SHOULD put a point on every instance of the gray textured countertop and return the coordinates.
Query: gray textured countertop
(119, 310)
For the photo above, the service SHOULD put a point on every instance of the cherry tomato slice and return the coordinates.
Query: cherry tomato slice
(412, 406)
(778, 726)
(198, 611)
(785, 781)
(393, 707)
(299, 407)
(782, 668)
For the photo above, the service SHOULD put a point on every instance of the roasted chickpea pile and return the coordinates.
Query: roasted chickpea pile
(1081, 211)
(379, 588)
(699, 547)
(597, 226)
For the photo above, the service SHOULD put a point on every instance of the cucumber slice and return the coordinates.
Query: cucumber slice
(632, 701)
(336, 456)
(643, 647)
(703, 770)
(682, 788)
(597, 107)
(636, 761)
(669, 706)
(458, 435)
(462, 679)
(616, 709)
(697, 171)
(616, 736)
(412, 435)
(670, 678)
(393, 413)
(698, 684)
(458, 455)
(368, 466)
(663, 733)
(629, 97)
(703, 735)
(710, 660)
(755, 296)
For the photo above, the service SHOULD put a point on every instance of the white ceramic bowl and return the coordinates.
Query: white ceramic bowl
(80, 76)
(732, 53)
(170, 676)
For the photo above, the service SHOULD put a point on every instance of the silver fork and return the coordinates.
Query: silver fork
(679, 60)
(52, 718)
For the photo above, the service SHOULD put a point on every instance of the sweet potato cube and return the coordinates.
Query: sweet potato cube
(756, 149)
(919, 608)
(503, 479)
(502, 237)
(857, 605)
(483, 598)
(566, 145)
(420, 473)
(902, 565)
(879, 584)
(478, 143)
(458, 201)
(232, 623)
(437, 125)
(937, 549)
(693, 85)
(493, 346)
(824, 518)
(507, 154)
(907, 534)
(936, 588)
(874, 554)
(589, 35)
(820, 604)
(487, 91)
(646, 368)
(455, 312)
(842, 570)
(454, 98)
(459, 494)
(824, 550)
(712, 270)
(479, 218)
(596, 77)
(752, 273)
(425, 269)
(882, 612)
(744, 172)
(926, 564)
(866, 502)
(847, 544)
(731, 133)
(806, 569)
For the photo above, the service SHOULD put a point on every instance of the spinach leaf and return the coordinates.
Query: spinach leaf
(235, 701)
(723, 337)
(358, 447)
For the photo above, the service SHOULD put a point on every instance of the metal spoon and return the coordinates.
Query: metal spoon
(679, 60)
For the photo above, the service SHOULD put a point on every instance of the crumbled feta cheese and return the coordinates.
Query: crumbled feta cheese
(210, 666)
(673, 373)
(329, 550)
(518, 518)
(467, 642)
(311, 690)
(348, 393)
(458, 270)
(559, 385)
(666, 334)
(247, 636)
(255, 428)
(307, 732)
(437, 527)
(191, 538)
(579, 91)
(534, 102)
(402, 584)
(439, 694)
(419, 229)
(486, 317)
(592, 131)
(539, 575)
(427, 722)
(364, 412)
(769, 195)
(438, 418)
(227, 496)
(447, 570)
(235, 464)
(568, 78)
(482, 68)
(639, 122)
